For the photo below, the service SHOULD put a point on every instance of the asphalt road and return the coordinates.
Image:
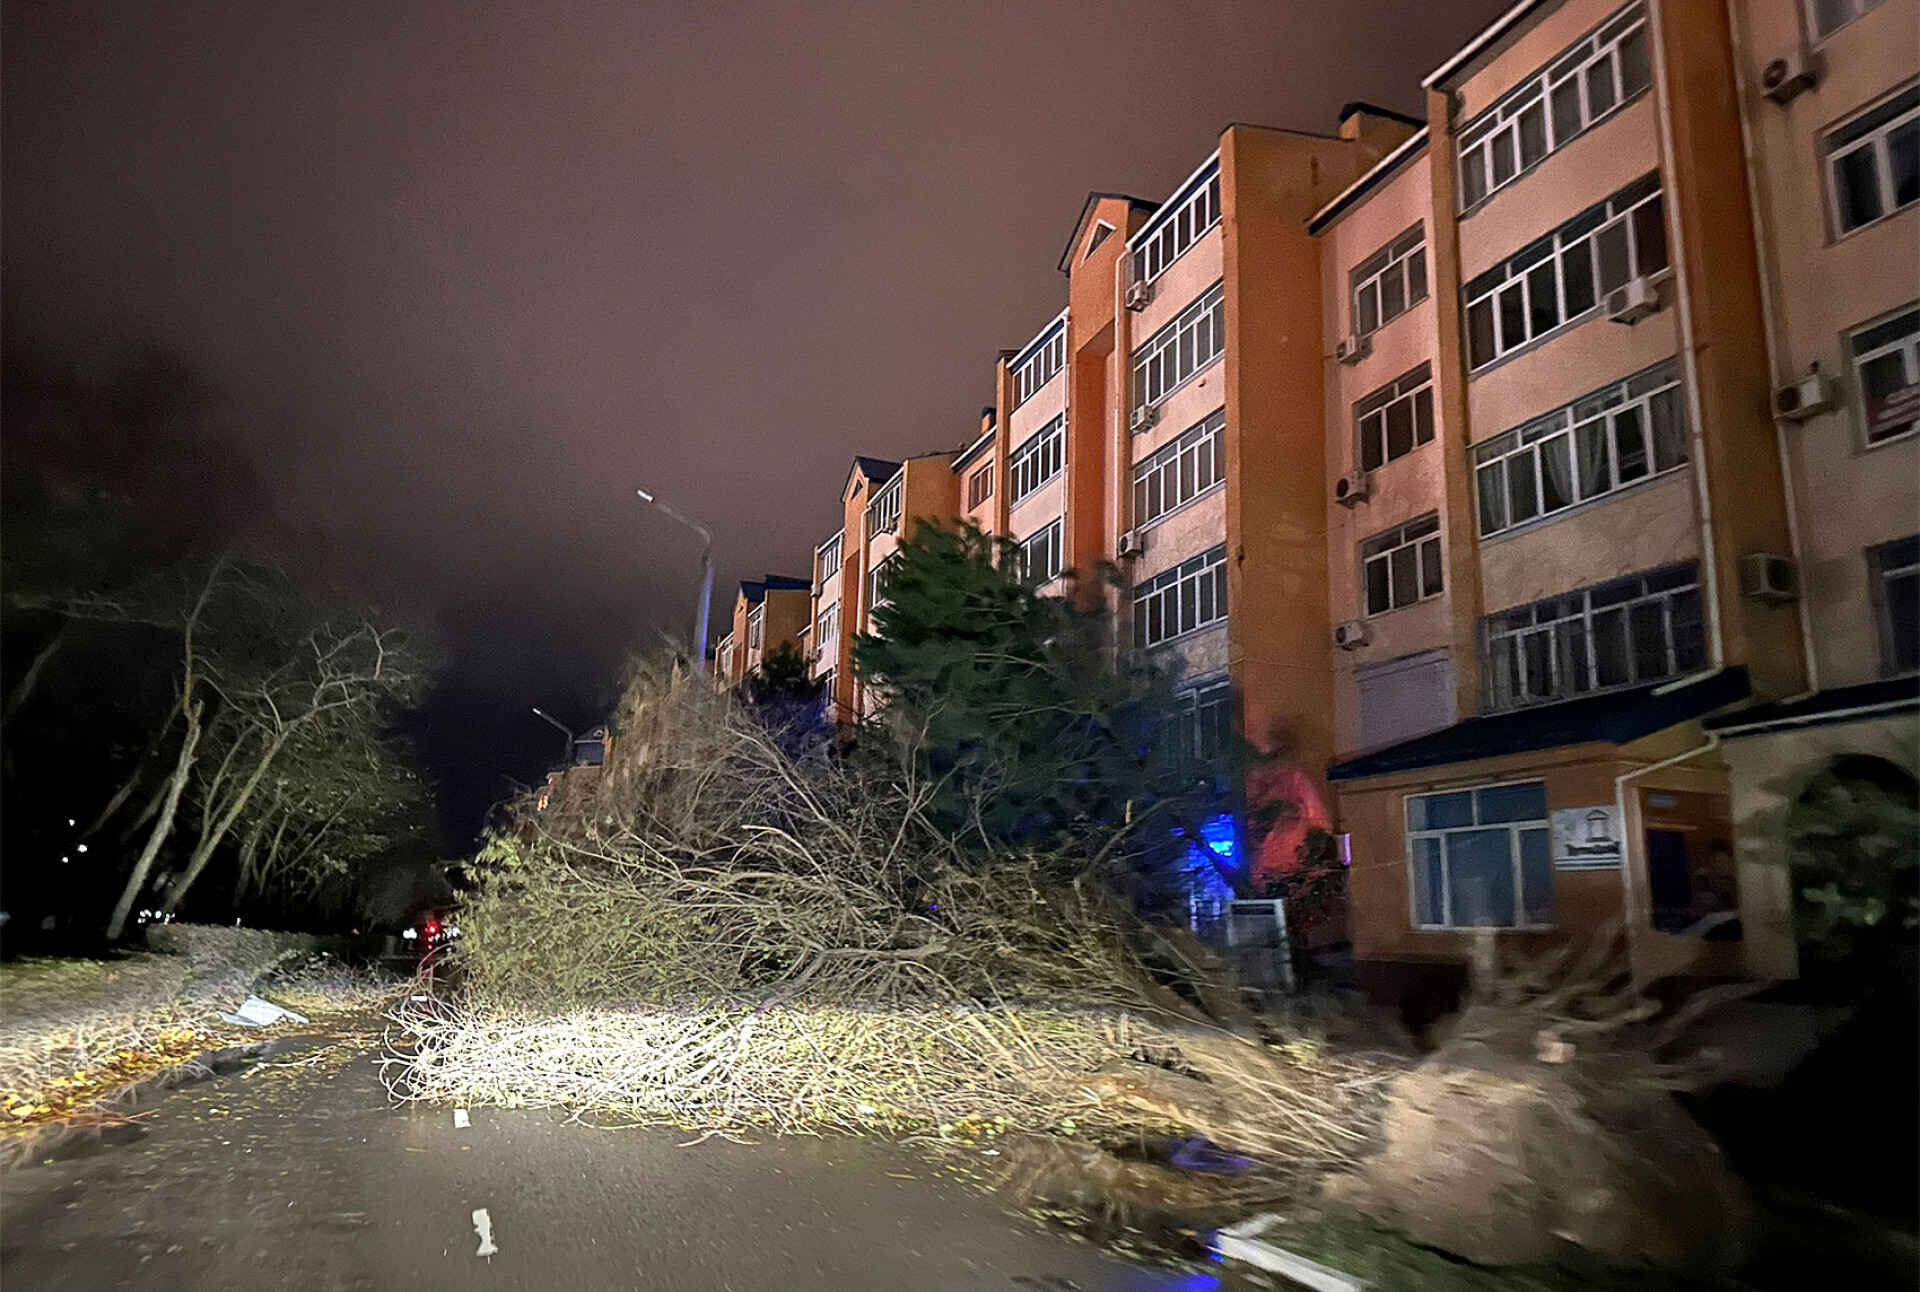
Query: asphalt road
(300, 1173)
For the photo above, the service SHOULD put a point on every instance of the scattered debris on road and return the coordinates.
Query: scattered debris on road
(483, 1226)
(256, 1011)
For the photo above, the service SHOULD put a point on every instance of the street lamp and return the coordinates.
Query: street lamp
(538, 712)
(706, 574)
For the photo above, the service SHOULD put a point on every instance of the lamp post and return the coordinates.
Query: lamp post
(538, 712)
(706, 574)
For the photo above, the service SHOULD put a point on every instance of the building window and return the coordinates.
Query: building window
(1396, 419)
(756, 621)
(1621, 633)
(1390, 282)
(877, 580)
(1038, 459)
(1896, 588)
(1402, 566)
(826, 563)
(1043, 359)
(1589, 81)
(980, 486)
(1629, 432)
(1191, 595)
(1040, 554)
(1186, 220)
(1180, 349)
(1886, 372)
(1203, 721)
(1567, 274)
(1873, 163)
(883, 513)
(1181, 471)
(826, 689)
(1829, 16)
(1481, 858)
(827, 628)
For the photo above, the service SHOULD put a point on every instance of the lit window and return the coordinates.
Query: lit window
(1567, 274)
(1180, 349)
(1625, 632)
(1396, 419)
(1873, 163)
(1183, 221)
(1038, 459)
(1390, 282)
(1181, 471)
(1191, 595)
(1886, 372)
(1481, 858)
(1896, 588)
(1587, 82)
(980, 486)
(1402, 566)
(883, 513)
(1037, 365)
(1041, 554)
(1618, 436)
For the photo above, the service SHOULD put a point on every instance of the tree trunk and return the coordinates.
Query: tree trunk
(127, 787)
(249, 849)
(182, 769)
(210, 840)
(31, 678)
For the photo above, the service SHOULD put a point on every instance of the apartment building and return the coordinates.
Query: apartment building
(769, 612)
(1565, 528)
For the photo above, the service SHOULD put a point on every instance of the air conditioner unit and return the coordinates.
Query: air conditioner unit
(1352, 635)
(1799, 400)
(1769, 578)
(1132, 543)
(1353, 349)
(1790, 75)
(1353, 488)
(1139, 295)
(1634, 300)
(1143, 417)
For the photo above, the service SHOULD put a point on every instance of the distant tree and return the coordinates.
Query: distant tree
(782, 675)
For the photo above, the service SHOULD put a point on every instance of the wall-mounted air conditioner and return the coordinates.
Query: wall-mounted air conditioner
(1769, 578)
(1632, 301)
(1352, 349)
(1143, 417)
(1790, 75)
(1352, 635)
(1798, 400)
(1139, 295)
(1353, 488)
(1133, 542)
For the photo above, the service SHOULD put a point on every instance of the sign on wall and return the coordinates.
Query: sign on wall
(1586, 838)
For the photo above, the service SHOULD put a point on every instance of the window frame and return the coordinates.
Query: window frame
(1046, 446)
(1395, 259)
(876, 584)
(1499, 695)
(1878, 139)
(1882, 570)
(826, 562)
(1193, 707)
(1406, 388)
(1050, 539)
(756, 628)
(1166, 594)
(1514, 859)
(1609, 405)
(1416, 535)
(1173, 231)
(884, 510)
(1171, 357)
(1477, 140)
(1859, 9)
(1906, 345)
(1164, 472)
(1041, 362)
(826, 626)
(979, 485)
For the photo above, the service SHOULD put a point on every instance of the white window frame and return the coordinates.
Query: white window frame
(826, 562)
(1396, 262)
(1577, 241)
(1877, 139)
(1856, 9)
(1040, 457)
(1575, 69)
(1184, 599)
(1196, 709)
(1514, 831)
(883, 513)
(1371, 417)
(1899, 559)
(1573, 616)
(1183, 349)
(1043, 553)
(1045, 355)
(756, 628)
(1906, 345)
(877, 585)
(1416, 537)
(826, 627)
(1186, 218)
(1181, 471)
(1494, 459)
(983, 476)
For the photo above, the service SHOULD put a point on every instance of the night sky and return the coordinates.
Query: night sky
(451, 280)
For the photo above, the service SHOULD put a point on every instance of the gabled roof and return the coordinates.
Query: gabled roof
(1086, 214)
(755, 593)
(878, 470)
(1613, 717)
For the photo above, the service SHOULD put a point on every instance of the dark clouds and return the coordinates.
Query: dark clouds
(464, 275)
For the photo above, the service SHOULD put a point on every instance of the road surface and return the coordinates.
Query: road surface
(300, 1173)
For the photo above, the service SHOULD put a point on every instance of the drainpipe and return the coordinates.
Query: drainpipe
(1628, 889)
(1770, 326)
(1676, 237)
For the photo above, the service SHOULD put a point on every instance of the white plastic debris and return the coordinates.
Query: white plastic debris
(255, 1012)
(483, 1226)
(460, 1121)
(1242, 1242)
